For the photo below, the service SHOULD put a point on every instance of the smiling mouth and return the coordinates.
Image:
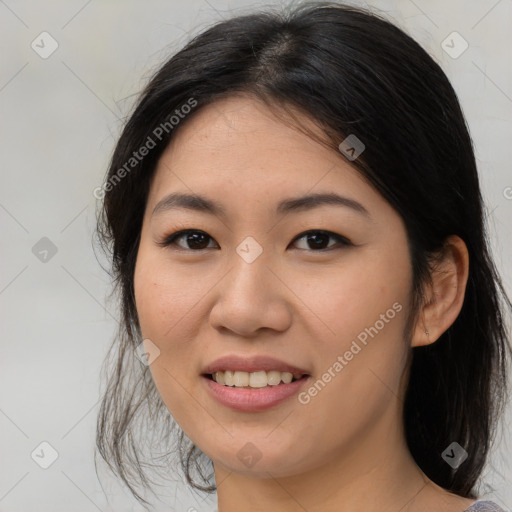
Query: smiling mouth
(254, 380)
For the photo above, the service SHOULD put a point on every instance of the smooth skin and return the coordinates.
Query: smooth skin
(300, 301)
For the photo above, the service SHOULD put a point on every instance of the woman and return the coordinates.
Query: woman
(309, 304)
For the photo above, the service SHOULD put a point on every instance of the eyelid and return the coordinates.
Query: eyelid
(340, 238)
(170, 239)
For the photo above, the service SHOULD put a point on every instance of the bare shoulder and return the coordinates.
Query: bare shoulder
(436, 498)
(433, 497)
(459, 504)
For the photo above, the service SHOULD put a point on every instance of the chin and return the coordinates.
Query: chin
(262, 460)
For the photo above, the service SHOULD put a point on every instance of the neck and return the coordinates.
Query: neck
(373, 472)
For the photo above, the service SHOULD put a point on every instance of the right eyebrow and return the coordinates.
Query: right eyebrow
(189, 202)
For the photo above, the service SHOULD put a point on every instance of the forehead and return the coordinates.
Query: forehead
(243, 124)
(238, 149)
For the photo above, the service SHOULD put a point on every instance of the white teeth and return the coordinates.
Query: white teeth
(273, 378)
(240, 379)
(258, 379)
(286, 377)
(228, 378)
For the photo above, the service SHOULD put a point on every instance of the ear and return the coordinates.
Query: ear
(444, 298)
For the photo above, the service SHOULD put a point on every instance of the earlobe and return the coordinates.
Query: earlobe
(444, 298)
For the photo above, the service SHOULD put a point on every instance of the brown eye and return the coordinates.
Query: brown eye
(318, 240)
(195, 239)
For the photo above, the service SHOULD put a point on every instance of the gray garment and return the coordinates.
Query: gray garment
(484, 506)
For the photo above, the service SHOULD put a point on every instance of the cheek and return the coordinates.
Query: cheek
(162, 307)
(160, 294)
(352, 296)
(362, 308)
(149, 297)
(363, 315)
(168, 300)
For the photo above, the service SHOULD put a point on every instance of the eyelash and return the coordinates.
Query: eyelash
(171, 239)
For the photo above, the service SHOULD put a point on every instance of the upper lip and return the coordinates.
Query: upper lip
(251, 364)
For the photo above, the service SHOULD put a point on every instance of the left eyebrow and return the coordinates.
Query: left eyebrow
(315, 200)
(202, 204)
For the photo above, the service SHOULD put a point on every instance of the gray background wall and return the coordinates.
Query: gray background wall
(60, 116)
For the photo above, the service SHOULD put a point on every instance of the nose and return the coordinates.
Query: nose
(251, 298)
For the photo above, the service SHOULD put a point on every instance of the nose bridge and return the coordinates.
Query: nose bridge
(249, 298)
(249, 274)
(249, 250)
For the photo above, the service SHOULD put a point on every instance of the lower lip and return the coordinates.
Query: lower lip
(256, 399)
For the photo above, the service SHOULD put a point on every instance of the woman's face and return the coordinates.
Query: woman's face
(246, 284)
